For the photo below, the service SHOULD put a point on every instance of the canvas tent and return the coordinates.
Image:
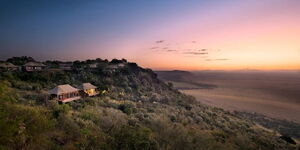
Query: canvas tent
(6, 66)
(65, 93)
(33, 66)
(89, 89)
(66, 66)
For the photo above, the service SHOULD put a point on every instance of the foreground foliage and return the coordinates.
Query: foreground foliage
(138, 111)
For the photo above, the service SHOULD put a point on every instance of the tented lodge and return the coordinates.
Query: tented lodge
(33, 66)
(88, 89)
(64, 93)
(6, 66)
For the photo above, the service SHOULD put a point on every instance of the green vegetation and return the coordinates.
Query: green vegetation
(20, 60)
(138, 111)
(285, 127)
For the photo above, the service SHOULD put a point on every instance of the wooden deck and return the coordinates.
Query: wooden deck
(93, 94)
(70, 99)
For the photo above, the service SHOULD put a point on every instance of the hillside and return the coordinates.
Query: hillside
(136, 110)
(271, 97)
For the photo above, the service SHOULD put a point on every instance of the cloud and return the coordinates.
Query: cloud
(197, 50)
(164, 50)
(171, 50)
(196, 53)
(154, 47)
(160, 41)
(202, 49)
(163, 46)
(221, 59)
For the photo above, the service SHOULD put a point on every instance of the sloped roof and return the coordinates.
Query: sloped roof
(63, 89)
(86, 86)
(112, 67)
(94, 65)
(7, 65)
(65, 64)
(29, 64)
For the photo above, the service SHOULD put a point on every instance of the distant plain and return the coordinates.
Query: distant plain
(273, 94)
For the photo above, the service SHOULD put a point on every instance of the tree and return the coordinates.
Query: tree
(116, 61)
(20, 60)
(129, 137)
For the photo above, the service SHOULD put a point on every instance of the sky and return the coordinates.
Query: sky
(157, 34)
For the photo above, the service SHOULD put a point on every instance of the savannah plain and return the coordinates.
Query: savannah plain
(272, 94)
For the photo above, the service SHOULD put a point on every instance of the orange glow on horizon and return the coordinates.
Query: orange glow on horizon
(255, 35)
(264, 43)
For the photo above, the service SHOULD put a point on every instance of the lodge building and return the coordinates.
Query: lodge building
(64, 93)
(67, 93)
(6, 66)
(88, 89)
(33, 66)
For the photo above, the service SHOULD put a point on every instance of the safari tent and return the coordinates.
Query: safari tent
(66, 66)
(64, 93)
(88, 89)
(6, 66)
(33, 66)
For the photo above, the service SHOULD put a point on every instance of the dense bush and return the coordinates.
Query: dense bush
(127, 108)
(136, 111)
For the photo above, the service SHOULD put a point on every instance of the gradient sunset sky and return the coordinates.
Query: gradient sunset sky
(158, 34)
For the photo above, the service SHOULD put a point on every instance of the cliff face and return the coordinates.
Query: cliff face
(137, 111)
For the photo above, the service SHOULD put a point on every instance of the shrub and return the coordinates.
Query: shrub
(135, 138)
(24, 126)
(127, 108)
(57, 110)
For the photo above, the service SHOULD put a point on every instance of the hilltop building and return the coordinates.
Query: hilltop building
(6, 66)
(64, 93)
(93, 66)
(114, 67)
(66, 66)
(33, 66)
(87, 89)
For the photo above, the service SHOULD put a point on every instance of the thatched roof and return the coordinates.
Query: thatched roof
(7, 65)
(63, 89)
(34, 64)
(87, 86)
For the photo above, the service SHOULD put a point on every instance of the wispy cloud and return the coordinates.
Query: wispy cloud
(159, 41)
(196, 53)
(198, 50)
(171, 50)
(220, 59)
(187, 50)
(164, 50)
(154, 47)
